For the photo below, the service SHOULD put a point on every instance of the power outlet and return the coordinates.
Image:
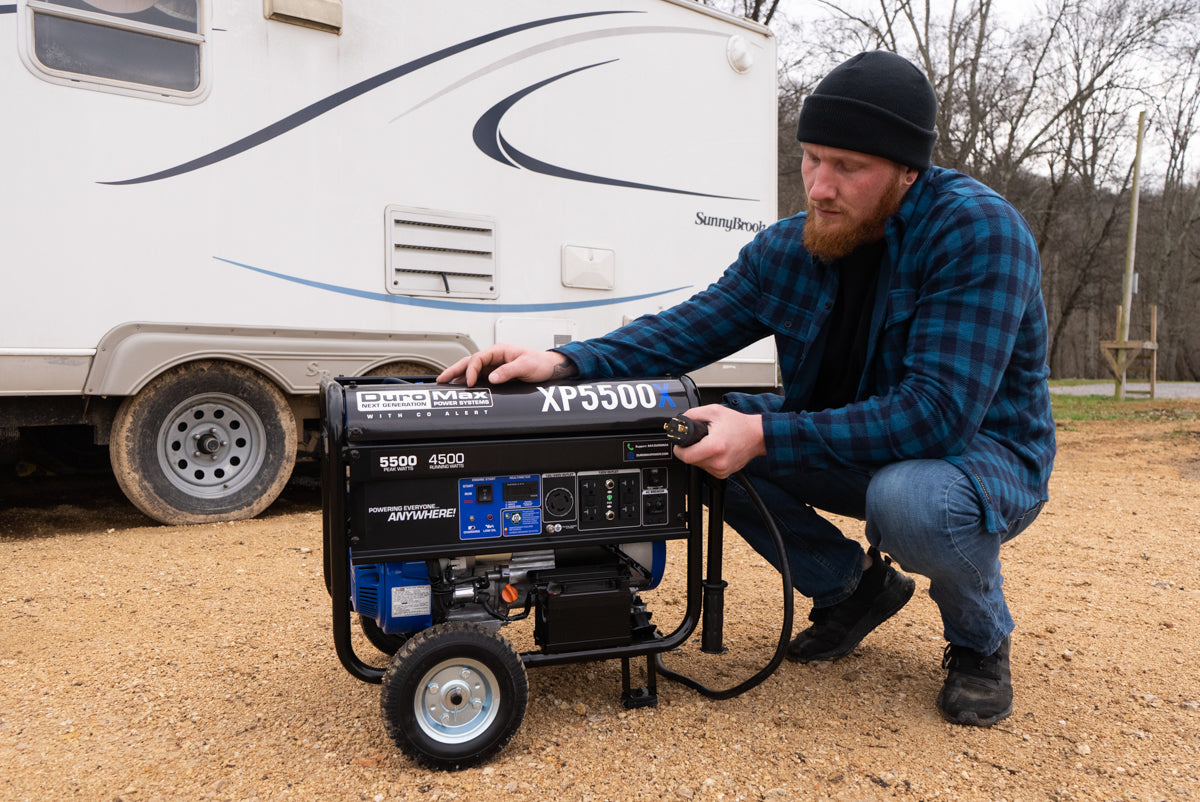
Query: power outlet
(610, 500)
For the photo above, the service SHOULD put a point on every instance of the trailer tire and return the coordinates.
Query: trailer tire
(454, 695)
(401, 368)
(204, 442)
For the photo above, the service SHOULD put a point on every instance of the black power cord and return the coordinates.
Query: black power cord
(685, 432)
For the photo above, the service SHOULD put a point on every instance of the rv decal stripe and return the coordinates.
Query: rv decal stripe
(487, 128)
(553, 44)
(315, 110)
(454, 306)
(530, 163)
(488, 139)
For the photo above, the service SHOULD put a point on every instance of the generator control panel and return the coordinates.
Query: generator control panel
(521, 467)
(517, 506)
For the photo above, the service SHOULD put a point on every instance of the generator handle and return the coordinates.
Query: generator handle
(712, 632)
(333, 522)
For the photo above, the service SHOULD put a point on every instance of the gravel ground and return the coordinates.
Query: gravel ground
(142, 662)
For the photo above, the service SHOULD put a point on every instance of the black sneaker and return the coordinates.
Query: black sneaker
(837, 629)
(978, 689)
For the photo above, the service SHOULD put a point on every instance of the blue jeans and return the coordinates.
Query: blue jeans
(924, 513)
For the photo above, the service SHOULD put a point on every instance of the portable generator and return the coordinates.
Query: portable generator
(450, 511)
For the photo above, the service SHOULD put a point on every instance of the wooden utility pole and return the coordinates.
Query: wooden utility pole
(1122, 351)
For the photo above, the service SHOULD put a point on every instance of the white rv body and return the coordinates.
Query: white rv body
(332, 190)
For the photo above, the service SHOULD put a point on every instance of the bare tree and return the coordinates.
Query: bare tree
(1170, 257)
(1041, 109)
(762, 11)
(1041, 112)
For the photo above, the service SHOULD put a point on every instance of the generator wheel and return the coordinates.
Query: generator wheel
(388, 644)
(454, 695)
(204, 442)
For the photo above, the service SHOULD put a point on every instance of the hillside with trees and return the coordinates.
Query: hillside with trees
(1042, 105)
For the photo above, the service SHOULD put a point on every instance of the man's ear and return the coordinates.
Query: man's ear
(910, 176)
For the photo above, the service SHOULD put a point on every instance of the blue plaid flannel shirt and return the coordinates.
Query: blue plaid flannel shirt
(957, 363)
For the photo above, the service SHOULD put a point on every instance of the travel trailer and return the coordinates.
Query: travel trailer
(209, 206)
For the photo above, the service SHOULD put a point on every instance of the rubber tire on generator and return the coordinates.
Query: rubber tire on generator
(454, 695)
(204, 442)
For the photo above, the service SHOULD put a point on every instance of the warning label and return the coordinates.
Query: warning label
(411, 600)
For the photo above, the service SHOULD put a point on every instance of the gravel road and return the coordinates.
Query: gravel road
(143, 662)
(1132, 389)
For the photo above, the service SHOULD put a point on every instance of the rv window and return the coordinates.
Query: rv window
(146, 43)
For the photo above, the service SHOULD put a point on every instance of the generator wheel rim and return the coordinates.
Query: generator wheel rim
(211, 445)
(456, 700)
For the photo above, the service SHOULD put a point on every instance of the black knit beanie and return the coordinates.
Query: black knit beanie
(877, 103)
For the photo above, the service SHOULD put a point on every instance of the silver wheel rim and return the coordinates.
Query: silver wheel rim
(211, 445)
(456, 701)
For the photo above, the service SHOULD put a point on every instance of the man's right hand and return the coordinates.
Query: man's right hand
(502, 362)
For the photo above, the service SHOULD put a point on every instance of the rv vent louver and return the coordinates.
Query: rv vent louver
(440, 254)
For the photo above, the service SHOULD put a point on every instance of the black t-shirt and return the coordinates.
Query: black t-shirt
(847, 329)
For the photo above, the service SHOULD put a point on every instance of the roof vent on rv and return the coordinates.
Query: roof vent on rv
(440, 254)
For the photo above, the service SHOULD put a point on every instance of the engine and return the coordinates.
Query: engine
(583, 598)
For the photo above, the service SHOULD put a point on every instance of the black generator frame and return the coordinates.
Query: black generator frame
(704, 596)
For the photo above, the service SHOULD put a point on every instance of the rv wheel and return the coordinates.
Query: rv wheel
(454, 695)
(204, 442)
(402, 368)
